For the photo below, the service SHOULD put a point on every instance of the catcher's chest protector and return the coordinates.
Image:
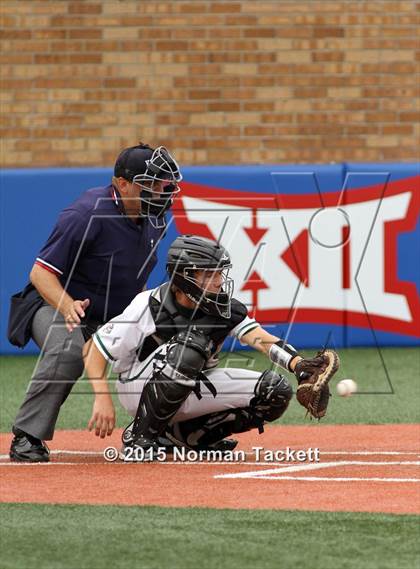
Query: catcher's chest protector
(169, 321)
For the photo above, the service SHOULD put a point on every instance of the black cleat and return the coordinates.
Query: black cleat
(174, 437)
(127, 439)
(140, 449)
(127, 435)
(26, 448)
(224, 445)
(167, 442)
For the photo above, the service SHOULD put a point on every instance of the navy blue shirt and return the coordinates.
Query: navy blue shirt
(99, 253)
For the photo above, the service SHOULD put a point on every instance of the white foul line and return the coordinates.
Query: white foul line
(369, 453)
(327, 479)
(167, 462)
(21, 464)
(296, 468)
(322, 453)
(74, 452)
(313, 466)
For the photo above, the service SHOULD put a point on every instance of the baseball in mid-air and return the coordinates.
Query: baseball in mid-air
(346, 387)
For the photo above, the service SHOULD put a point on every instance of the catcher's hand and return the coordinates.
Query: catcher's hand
(313, 376)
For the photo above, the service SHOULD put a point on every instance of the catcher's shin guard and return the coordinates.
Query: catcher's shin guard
(209, 432)
(170, 384)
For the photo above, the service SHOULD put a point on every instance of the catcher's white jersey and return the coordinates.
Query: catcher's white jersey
(121, 339)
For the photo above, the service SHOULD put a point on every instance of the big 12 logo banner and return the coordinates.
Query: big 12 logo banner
(317, 258)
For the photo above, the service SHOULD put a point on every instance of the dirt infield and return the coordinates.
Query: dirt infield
(361, 468)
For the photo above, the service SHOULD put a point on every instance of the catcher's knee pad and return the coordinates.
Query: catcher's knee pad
(186, 355)
(172, 381)
(273, 393)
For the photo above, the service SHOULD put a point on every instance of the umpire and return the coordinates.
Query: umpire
(96, 260)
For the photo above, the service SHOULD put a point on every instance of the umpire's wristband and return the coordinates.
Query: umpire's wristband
(282, 354)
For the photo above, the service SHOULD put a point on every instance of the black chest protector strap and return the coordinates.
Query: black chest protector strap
(204, 379)
(201, 378)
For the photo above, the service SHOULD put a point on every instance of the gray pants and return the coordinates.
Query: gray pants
(58, 368)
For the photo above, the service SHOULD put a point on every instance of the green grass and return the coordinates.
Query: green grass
(82, 537)
(70, 537)
(375, 404)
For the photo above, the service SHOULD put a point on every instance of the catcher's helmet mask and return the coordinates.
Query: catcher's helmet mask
(191, 253)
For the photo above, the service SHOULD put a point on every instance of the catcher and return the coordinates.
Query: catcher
(165, 347)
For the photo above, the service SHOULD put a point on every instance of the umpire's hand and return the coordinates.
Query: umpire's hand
(73, 312)
(103, 415)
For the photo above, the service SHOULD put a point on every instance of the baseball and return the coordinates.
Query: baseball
(346, 387)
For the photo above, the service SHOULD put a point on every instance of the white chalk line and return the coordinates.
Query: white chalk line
(39, 464)
(73, 452)
(261, 476)
(279, 466)
(314, 466)
(168, 462)
(277, 473)
(321, 453)
(370, 453)
(341, 479)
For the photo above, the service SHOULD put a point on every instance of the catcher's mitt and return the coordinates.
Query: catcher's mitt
(313, 376)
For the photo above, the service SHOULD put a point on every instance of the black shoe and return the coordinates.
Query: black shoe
(174, 438)
(168, 442)
(127, 434)
(127, 440)
(140, 449)
(224, 445)
(25, 448)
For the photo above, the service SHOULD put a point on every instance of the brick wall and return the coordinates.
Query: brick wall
(219, 82)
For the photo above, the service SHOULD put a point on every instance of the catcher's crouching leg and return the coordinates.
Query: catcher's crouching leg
(273, 393)
(168, 388)
(272, 396)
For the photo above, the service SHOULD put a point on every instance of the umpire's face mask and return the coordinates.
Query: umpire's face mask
(156, 198)
(158, 186)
